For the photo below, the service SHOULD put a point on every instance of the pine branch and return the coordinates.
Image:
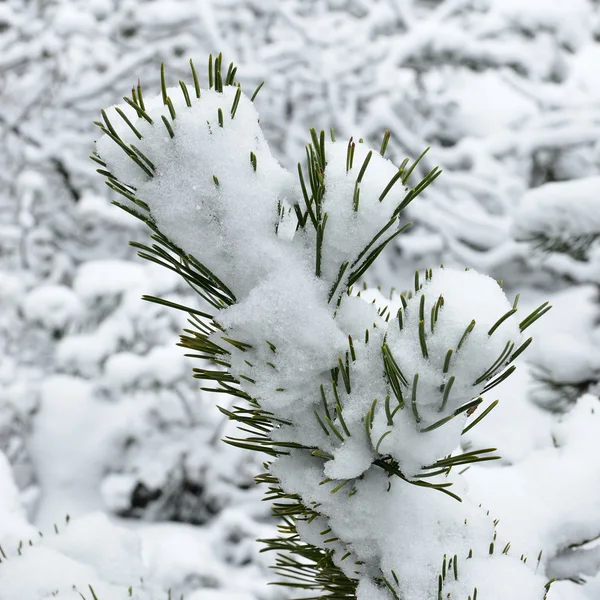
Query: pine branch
(240, 365)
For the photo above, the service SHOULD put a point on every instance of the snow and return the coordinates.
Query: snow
(559, 493)
(566, 351)
(295, 313)
(97, 208)
(116, 554)
(458, 328)
(68, 562)
(100, 278)
(579, 76)
(560, 211)
(69, 476)
(37, 566)
(506, 571)
(183, 558)
(480, 104)
(351, 228)
(98, 409)
(467, 297)
(227, 229)
(160, 365)
(509, 427)
(53, 307)
(13, 520)
(569, 23)
(364, 522)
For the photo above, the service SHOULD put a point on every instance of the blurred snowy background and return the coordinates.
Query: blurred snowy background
(99, 411)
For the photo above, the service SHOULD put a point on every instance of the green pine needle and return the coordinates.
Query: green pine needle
(163, 83)
(195, 78)
(252, 98)
(186, 94)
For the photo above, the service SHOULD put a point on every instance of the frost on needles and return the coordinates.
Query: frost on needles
(359, 407)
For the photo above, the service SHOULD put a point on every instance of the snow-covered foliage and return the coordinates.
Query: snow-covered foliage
(500, 90)
(91, 557)
(140, 397)
(97, 413)
(561, 217)
(503, 91)
(356, 428)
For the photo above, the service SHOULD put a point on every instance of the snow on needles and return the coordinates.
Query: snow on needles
(448, 365)
(560, 214)
(368, 397)
(205, 177)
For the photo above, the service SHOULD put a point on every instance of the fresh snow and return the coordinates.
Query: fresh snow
(561, 211)
(452, 336)
(98, 408)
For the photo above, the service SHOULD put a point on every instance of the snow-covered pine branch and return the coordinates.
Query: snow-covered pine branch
(561, 217)
(359, 406)
(560, 220)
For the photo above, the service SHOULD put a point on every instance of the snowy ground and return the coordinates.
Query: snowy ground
(100, 416)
